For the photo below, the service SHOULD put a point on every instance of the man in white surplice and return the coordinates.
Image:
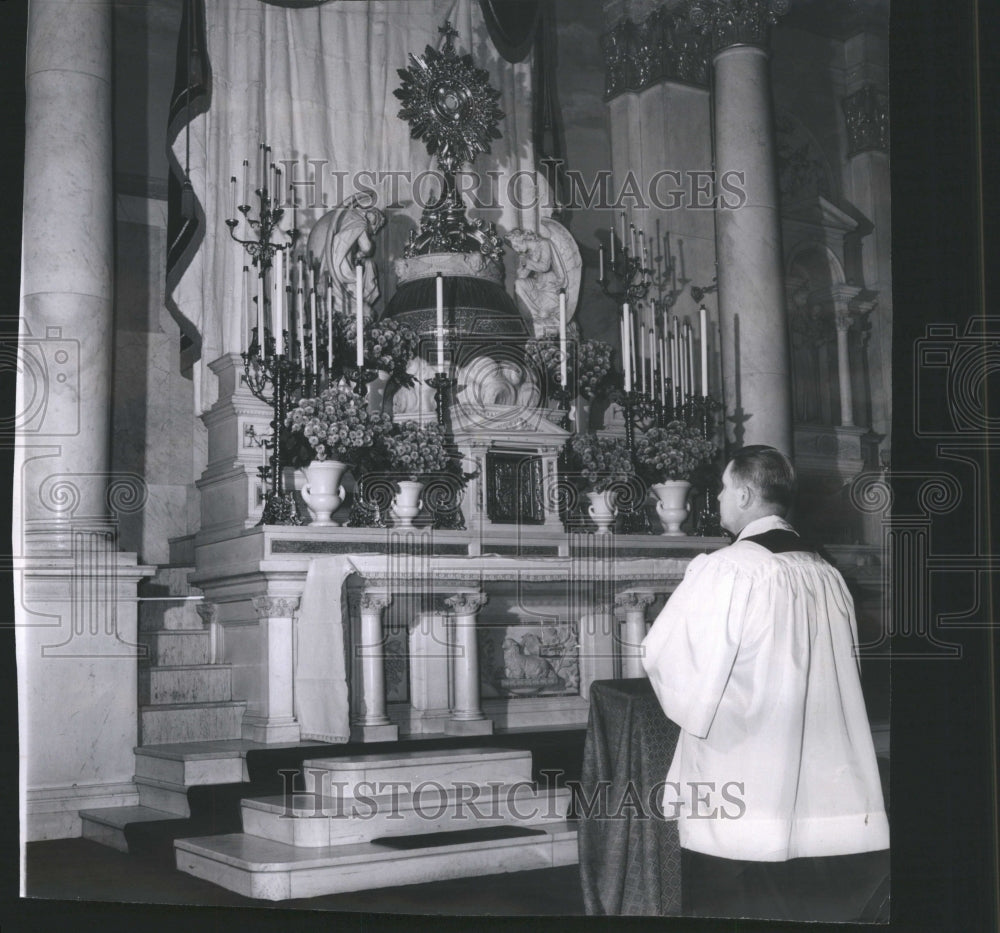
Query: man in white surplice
(754, 658)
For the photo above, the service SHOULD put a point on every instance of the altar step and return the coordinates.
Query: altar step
(182, 696)
(383, 820)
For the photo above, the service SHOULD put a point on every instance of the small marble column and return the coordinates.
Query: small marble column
(67, 285)
(466, 715)
(274, 719)
(597, 645)
(634, 603)
(752, 306)
(843, 319)
(209, 613)
(372, 724)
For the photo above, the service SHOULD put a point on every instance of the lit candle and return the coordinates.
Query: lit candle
(278, 315)
(703, 314)
(312, 323)
(440, 323)
(359, 311)
(600, 263)
(563, 376)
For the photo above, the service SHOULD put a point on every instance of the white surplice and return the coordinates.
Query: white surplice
(753, 657)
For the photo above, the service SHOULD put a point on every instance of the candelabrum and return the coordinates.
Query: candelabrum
(264, 368)
(265, 226)
(625, 278)
(701, 414)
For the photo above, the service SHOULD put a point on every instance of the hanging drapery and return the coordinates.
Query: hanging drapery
(512, 25)
(315, 81)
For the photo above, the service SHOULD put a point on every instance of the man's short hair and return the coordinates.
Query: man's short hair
(768, 471)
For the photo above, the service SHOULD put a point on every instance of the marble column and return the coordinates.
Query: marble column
(371, 724)
(634, 604)
(67, 287)
(273, 719)
(597, 645)
(466, 714)
(843, 321)
(209, 613)
(755, 353)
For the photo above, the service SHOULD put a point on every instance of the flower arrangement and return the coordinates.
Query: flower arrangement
(337, 425)
(672, 453)
(600, 462)
(588, 366)
(416, 451)
(389, 345)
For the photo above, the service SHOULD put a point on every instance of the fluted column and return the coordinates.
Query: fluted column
(272, 719)
(466, 714)
(634, 604)
(371, 723)
(64, 378)
(757, 373)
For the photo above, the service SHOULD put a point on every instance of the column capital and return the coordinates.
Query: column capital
(664, 46)
(374, 600)
(466, 604)
(275, 607)
(209, 612)
(866, 113)
(736, 22)
(633, 600)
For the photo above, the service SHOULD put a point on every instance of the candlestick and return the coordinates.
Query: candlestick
(359, 314)
(440, 323)
(278, 313)
(563, 376)
(703, 315)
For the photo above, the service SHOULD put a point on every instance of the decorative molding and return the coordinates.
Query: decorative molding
(209, 612)
(662, 47)
(866, 113)
(466, 604)
(275, 607)
(736, 22)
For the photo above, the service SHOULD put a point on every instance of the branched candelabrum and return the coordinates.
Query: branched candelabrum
(702, 415)
(264, 368)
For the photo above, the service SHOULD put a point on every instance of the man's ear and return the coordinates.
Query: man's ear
(745, 497)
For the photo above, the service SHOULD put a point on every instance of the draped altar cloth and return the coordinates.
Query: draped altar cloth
(316, 83)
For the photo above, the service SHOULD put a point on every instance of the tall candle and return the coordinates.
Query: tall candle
(675, 356)
(359, 312)
(278, 311)
(440, 323)
(246, 183)
(260, 314)
(232, 185)
(329, 323)
(246, 319)
(626, 360)
(663, 371)
(313, 332)
(300, 324)
(600, 263)
(652, 362)
(703, 315)
(623, 229)
(611, 237)
(563, 377)
(690, 343)
(632, 233)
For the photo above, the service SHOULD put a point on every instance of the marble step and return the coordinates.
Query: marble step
(190, 722)
(192, 763)
(107, 825)
(168, 796)
(274, 871)
(311, 821)
(340, 776)
(190, 683)
(176, 648)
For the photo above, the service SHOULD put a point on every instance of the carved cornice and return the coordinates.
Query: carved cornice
(736, 22)
(662, 47)
(466, 604)
(867, 115)
(275, 607)
(633, 602)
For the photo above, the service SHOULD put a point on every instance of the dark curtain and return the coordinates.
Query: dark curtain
(512, 25)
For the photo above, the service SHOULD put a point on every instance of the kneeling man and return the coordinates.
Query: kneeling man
(754, 658)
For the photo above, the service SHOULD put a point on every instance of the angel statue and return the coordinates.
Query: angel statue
(343, 239)
(549, 261)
